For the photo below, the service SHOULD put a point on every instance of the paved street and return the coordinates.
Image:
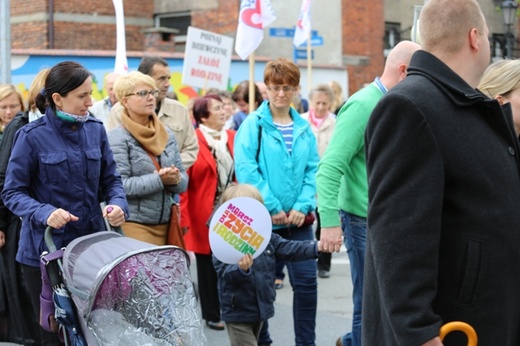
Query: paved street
(334, 309)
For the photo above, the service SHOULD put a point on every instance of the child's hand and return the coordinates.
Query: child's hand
(245, 262)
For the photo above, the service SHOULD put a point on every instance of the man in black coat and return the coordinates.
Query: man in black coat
(443, 239)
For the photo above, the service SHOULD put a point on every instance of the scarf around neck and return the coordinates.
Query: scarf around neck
(152, 136)
(221, 153)
(315, 120)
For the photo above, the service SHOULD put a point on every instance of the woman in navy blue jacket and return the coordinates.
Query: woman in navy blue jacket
(61, 166)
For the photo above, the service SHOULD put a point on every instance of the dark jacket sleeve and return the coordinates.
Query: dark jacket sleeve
(294, 250)
(6, 146)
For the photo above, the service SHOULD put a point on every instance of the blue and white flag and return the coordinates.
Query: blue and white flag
(303, 26)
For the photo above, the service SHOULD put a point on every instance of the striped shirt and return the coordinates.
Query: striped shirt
(287, 134)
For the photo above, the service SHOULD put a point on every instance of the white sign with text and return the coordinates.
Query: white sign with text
(207, 59)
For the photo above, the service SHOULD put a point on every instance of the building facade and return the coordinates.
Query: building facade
(353, 35)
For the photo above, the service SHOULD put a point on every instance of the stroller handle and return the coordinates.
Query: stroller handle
(460, 326)
(47, 236)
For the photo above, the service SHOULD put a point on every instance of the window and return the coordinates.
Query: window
(498, 46)
(180, 21)
(392, 36)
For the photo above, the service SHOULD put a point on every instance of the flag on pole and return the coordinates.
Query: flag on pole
(121, 64)
(254, 16)
(303, 27)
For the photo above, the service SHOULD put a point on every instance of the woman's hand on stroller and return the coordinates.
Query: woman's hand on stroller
(2, 239)
(114, 215)
(53, 324)
(60, 218)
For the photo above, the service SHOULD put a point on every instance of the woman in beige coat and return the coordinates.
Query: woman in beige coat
(322, 122)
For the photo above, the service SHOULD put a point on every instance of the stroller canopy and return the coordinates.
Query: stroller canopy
(128, 292)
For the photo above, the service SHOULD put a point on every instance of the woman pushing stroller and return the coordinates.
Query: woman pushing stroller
(61, 167)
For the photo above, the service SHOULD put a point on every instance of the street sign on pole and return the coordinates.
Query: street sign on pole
(315, 41)
(286, 32)
(302, 54)
(5, 42)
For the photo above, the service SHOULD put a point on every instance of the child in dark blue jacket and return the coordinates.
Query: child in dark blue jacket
(246, 289)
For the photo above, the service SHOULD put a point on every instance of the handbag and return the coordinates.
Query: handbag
(309, 219)
(174, 235)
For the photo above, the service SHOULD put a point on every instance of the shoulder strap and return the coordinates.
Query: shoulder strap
(154, 159)
(259, 142)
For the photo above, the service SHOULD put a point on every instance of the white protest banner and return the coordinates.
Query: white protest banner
(240, 226)
(121, 64)
(207, 59)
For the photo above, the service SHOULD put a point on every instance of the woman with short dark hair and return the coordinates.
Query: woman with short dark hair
(241, 99)
(209, 176)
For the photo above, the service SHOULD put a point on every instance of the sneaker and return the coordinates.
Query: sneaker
(338, 342)
(278, 284)
(324, 274)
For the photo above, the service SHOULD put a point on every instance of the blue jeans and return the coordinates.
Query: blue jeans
(355, 235)
(302, 276)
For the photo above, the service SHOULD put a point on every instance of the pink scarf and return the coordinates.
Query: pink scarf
(315, 120)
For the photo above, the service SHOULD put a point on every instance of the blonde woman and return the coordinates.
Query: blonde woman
(339, 100)
(148, 159)
(501, 81)
(11, 102)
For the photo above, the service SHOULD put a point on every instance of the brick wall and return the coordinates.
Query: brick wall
(30, 34)
(363, 32)
(222, 20)
(21, 7)
(74, 35)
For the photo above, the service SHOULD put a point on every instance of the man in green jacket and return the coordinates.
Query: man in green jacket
(342, 177)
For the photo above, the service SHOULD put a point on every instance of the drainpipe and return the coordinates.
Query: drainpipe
(51, 24)
(5, 42)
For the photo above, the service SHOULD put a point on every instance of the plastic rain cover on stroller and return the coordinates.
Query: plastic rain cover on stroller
(128, 292)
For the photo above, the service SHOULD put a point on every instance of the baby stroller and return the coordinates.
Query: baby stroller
(125, 292)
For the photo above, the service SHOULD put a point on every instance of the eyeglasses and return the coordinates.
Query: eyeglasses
(144, 94)
(277, 88)
(11, 107)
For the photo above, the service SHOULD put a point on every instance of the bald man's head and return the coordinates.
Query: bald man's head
(397, 63)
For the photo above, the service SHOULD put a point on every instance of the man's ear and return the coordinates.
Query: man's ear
(402, 71)
(474, 39)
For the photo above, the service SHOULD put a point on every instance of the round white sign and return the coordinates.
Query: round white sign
(240, 226)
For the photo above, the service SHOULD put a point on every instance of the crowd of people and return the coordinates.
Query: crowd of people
(416, 174)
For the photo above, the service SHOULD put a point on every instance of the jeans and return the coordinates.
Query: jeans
(279, 270)
(354, 235)
(303, 279)
(264, 338)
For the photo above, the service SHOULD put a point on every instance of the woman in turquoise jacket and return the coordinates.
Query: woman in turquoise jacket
(275, 150)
